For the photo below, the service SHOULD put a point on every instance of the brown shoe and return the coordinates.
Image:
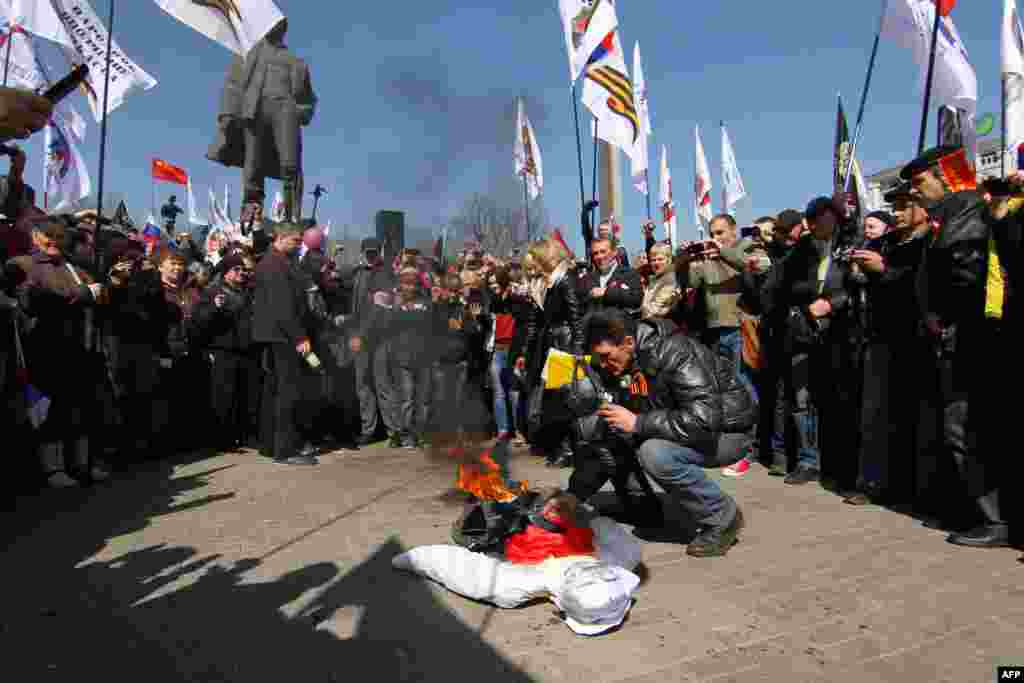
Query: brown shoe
(716, 541)
(858, 499)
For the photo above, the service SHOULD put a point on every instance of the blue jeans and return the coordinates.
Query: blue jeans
(680, 471)
(801, 400)
(506, 397)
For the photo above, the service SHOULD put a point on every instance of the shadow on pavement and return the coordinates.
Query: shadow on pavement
(169, 613)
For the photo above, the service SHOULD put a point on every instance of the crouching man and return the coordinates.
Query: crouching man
(679, 430)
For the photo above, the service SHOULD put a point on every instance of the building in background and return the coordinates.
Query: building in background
(988, 164)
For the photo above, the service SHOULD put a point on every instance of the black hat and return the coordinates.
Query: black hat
(788, 218)
(926, 161)
(818, 206)
(901, 191)
(370, 244)
(230, 261)
(883, 216)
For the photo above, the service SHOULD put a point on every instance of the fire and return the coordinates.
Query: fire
(484, 481)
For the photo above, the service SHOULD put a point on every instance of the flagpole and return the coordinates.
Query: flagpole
(928, 83)
(858, 129)
(1002, 135)
(526, 209)
(103, 140)
(593, 190)
(647, 182)
(7, 58)
(579, 143)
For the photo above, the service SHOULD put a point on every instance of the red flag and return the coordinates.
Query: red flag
(557, 236)
(945, 7)
(169, 173)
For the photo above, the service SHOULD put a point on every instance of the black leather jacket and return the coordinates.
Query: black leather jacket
(951, 281)
(559, 325)
(739, 407)
(684, 401)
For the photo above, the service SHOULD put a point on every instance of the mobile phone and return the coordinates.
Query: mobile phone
(752, 231)
(67, 85)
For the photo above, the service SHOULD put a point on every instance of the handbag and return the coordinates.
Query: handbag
(750, 332)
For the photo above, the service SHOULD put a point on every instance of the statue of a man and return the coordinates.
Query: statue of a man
(169, 212)
(268, 97)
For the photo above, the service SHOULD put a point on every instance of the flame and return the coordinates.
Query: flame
(484, 481)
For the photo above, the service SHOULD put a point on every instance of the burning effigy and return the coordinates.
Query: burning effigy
(513, 545)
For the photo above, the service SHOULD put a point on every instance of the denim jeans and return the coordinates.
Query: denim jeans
(805, 411)
(506, 396)
(680, 471)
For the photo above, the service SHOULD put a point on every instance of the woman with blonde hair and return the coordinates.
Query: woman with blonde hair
(663, 292)
(555, 322)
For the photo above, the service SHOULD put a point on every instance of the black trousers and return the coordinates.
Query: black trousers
(282, 400)
(835, 386)
(235, 389)
(595, 465)
(973, 398)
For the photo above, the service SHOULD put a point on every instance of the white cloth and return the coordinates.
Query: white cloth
(595, 592)
(603, 278)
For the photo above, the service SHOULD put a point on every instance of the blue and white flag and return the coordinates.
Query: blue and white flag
(732, 184)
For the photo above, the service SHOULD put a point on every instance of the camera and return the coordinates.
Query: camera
(751, 232)
(700, 251)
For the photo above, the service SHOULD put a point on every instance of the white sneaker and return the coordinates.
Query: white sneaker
(61, 480)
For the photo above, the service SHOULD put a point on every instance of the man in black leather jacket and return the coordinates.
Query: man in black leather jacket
(679, 428)
(807, 298)
(963, 317)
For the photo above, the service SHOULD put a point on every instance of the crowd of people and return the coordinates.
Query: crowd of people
(869, 360)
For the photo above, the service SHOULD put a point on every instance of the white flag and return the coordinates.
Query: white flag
(608, 94)
(193, 213)
(909, 23)
(227, 202)
(217, 218)
(586, 23)
(235, 24)
(1013, 74)
(277, 208)
(38, 18)
(67, 176)
(732, 184)
(527, 153)
(23, 69)
(702, 186)
(89, 40)
(668, 207)
(327, 230)
(639, 157)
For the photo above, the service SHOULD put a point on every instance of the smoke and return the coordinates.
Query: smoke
(470, 124)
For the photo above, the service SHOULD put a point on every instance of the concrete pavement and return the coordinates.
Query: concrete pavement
(232, 568)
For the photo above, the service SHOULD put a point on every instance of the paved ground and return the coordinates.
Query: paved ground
(231, 568)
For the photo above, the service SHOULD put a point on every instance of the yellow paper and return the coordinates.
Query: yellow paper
(995, 288)
(558, 369)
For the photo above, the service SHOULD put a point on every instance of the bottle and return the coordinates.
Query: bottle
(312, 359)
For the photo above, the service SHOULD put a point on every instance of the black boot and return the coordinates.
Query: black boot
(715, 541)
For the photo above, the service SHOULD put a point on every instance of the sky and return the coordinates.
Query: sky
(416, 101)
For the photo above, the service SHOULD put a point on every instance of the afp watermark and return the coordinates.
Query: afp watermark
(1010, 673)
